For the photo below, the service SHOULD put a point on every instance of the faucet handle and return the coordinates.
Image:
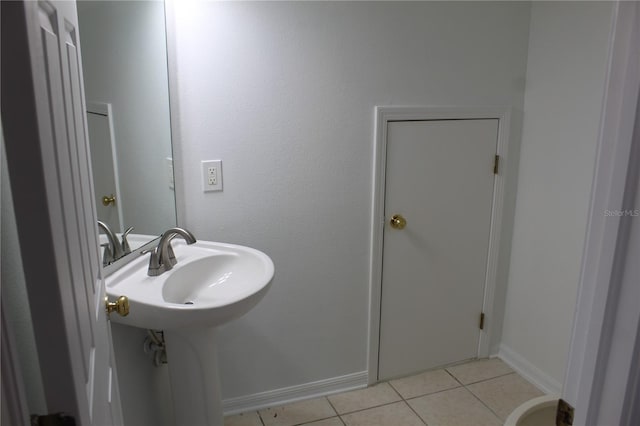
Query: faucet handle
(170, 253)
(156, 266)
(114, 246)
(125, 243)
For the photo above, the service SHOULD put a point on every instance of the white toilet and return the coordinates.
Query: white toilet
(540, 411)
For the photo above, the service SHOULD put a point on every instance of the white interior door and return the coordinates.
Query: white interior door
(43, 112)
(104, 164)
(439, 177)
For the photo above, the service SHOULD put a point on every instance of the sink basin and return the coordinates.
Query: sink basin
(211, 284)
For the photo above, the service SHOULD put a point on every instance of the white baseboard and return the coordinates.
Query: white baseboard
(291, 394)
(539, 378)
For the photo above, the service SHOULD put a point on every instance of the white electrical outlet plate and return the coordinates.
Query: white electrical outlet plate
(212, 175)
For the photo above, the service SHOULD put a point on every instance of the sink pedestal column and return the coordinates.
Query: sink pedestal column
(193, 373)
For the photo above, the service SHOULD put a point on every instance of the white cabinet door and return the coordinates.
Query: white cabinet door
(43, 112)
(439, 177)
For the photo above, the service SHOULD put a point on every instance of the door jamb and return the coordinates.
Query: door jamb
(384, 115)
(595, 358)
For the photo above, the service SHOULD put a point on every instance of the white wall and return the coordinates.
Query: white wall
(565, 83)
(124, 60)
(284, 94)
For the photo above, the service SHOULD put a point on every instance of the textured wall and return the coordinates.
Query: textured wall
(565, 82)
(284, 94)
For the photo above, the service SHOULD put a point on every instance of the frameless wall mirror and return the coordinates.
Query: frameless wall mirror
(124, 61)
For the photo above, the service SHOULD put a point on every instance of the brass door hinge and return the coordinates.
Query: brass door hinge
(481, 325)
(496, 164)
(564, 413)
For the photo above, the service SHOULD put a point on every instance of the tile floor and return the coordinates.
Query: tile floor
(479, 393)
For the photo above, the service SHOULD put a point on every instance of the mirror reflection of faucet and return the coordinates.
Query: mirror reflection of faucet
(114, 249)
(126, 249)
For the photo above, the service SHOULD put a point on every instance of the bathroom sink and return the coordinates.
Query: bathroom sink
(211, 284)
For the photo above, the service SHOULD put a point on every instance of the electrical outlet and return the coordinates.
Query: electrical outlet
(212, 175)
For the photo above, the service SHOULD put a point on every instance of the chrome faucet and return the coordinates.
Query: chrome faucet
(162, 257)
(112, 250)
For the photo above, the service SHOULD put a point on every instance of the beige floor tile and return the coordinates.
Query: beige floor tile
(479, 370)
(424, 383)
(364, 398)
(244, 419)
(503, 394)
(333, 421)
(396, 414)
(298, 413)
(455, 407)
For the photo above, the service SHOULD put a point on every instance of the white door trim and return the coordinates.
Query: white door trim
(594, 355)
(383, 115)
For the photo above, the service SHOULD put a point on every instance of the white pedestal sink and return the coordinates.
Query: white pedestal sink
(211, 284)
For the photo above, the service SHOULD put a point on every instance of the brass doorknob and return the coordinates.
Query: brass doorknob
(109, 199)
(121, 306)
(398, 222)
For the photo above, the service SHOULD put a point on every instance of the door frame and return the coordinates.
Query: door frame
(384, 115)
(602, 378)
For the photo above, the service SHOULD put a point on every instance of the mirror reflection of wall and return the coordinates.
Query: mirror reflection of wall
(124, 62)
